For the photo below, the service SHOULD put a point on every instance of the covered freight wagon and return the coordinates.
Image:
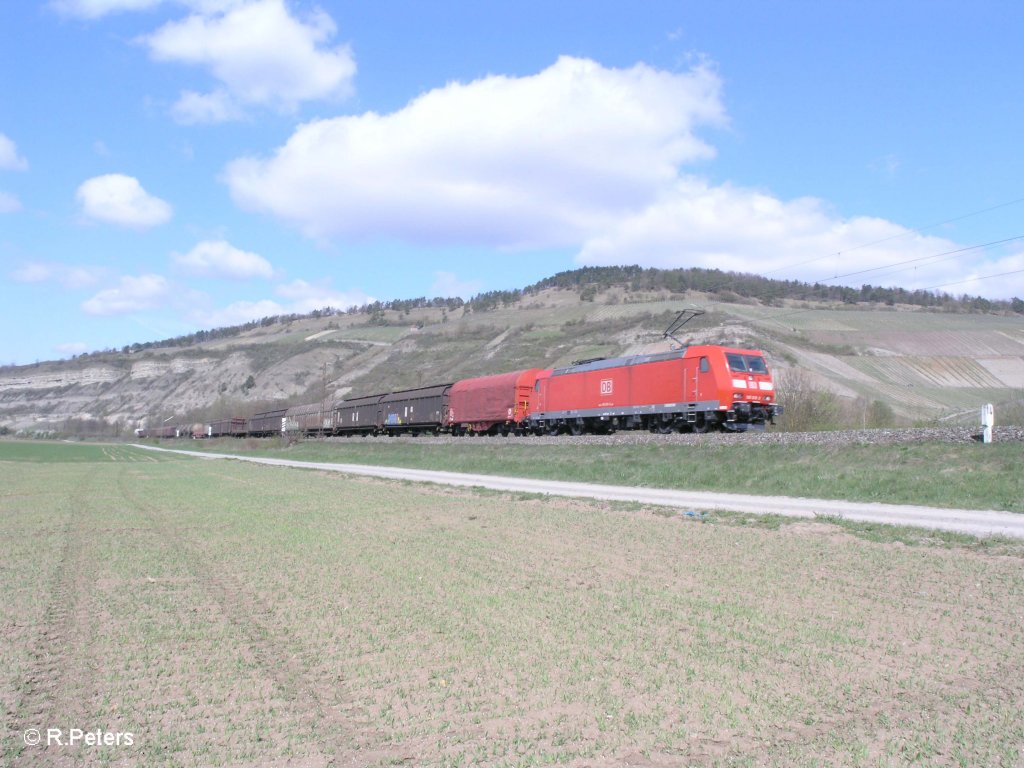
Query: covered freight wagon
(234, 427)
(414, 410)
(491, 404)
(311, 419)
(358, 416)
(267, 423)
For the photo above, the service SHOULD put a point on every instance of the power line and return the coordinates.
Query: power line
(917, 230)
(974, 279)
(951, 254)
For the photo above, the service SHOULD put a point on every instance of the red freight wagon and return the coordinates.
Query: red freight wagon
(696, 388)
(491, 404)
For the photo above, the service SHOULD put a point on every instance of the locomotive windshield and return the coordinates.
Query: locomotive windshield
(746, 363)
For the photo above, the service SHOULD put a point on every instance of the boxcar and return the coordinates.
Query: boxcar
(491, 404)
(414, 410)
(234, 427)
(311, 419)
(697, 388)
(358, 416)
(267, 423)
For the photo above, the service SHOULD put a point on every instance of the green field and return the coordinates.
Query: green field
(232, 614)
(968, 476)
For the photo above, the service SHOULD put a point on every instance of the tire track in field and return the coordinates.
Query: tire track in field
(46, 698)
(277, 658)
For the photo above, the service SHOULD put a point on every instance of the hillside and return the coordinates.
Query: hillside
(921, 362)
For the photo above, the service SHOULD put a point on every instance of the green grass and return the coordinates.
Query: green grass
(969, 476)
(50, 452)
(231, 614)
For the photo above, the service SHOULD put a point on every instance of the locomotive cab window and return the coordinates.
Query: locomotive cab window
(705, 366)
(746, 363)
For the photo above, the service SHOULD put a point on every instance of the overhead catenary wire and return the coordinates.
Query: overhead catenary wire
(905, 233)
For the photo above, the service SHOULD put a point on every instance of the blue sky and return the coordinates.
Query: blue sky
(171, 165)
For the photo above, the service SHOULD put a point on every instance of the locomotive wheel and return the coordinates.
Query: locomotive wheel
(554, 429)
(701, 425)
(576, 430)
(666, 428)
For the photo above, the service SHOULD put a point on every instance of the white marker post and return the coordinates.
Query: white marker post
(988, 420)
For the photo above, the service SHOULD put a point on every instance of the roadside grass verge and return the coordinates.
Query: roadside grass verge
(968, 476)
(229, 614)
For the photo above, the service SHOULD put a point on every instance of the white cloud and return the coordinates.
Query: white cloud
(738, 229)
(447, 284)
(198, 108)
(261, 55)
(218, 258)
(541, 160)
(65, 274)
(72, 348)
(237, 313)
(94, 9)
(132, 294)
(299, 297)
(119, 199)
(10, 160)
(306, 297)
(9, 203)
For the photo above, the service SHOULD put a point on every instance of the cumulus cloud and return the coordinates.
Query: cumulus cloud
(298, 296)
(67, 275)
(10, 160)
(131, 294)
(218, 258)
(540, 160)
(72, 348)
(578, 156)
(306, 297)
(198, 108)
(94, 9)
(448, 284)
(260, 54)
(696, 224)
(9, 203)
(119, 199)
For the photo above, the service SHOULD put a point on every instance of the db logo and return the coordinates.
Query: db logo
(606, 386)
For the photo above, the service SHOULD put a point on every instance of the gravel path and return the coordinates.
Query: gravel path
(974, 522)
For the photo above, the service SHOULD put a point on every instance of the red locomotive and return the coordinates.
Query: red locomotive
(693, 389)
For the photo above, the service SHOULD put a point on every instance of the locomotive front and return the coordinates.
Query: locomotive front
(748, 386)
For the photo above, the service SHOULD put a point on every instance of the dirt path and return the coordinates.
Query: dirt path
(974, 522)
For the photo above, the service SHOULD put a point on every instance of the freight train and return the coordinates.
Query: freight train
(691, 389)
